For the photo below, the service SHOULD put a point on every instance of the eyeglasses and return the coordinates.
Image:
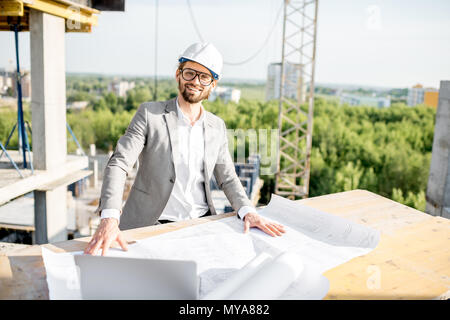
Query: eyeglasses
(190, 74)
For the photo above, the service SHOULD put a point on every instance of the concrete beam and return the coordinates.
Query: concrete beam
(13, 186)
(48, 104)
(438, 189)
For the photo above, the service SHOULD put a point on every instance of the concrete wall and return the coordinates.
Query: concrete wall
(438, 189)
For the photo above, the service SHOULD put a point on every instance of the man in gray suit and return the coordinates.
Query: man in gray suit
(180, 146)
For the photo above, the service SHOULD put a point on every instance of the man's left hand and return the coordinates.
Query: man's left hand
(252, 219)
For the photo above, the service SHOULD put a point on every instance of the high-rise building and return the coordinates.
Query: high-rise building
(294, 85)
(415, 95)
(420, 95)
(431, 97)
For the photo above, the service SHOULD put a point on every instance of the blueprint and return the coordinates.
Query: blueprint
(321, 241)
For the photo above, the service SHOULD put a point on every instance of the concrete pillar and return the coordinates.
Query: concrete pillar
(93, 165)
(48, 106)
(92, 150)
(50, 215)
(438, 189)
(93, 178)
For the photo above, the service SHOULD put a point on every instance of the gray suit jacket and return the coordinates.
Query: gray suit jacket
(152, 136)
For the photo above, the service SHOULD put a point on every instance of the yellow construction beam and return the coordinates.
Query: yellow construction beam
(21, 21)
(65, 9)
(79, 18)
(11, 8)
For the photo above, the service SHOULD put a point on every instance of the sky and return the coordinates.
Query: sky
(384, 43)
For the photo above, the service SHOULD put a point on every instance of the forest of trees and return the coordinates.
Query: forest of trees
(386, 151)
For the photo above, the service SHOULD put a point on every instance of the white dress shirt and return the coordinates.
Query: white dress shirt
(188, 197)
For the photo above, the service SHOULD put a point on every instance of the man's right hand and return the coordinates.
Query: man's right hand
(107, 232)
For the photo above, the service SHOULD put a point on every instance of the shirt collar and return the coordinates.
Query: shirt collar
(182, 117)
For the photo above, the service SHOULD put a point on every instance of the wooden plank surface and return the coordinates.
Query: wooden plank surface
(6, 247)
(17, 227)
(412, 260)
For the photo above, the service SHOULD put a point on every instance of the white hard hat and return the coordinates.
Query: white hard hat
(205, 54)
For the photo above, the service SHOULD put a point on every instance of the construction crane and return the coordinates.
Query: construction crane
(296, 99)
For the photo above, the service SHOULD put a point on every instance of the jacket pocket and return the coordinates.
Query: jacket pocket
(140, 189)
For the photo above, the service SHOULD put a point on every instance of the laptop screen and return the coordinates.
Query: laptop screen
(132, 278)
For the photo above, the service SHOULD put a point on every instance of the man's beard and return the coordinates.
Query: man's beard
(192, 97)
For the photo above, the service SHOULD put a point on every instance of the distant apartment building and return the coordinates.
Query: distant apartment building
(2, 85)
(357, 100)
(120, 88)
(431, 97)
(294, 86)
(6, 81)
(415, 95)
(25, 83)
(77, 105)
(226, 94)
(420, 95)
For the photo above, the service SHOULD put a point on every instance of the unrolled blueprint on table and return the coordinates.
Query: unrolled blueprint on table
(322, 241)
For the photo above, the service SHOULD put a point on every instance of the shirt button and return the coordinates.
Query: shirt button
(172, 180)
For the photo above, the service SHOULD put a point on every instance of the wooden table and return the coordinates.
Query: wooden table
(412, 260)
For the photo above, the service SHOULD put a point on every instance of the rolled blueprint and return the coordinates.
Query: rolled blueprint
(263, 278)
(227, 287)
(272, 280)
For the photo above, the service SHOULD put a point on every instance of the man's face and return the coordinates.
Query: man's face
(193, 91)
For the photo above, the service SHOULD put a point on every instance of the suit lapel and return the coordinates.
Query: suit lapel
(171, 118)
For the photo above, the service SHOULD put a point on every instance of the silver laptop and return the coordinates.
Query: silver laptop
(132, 278)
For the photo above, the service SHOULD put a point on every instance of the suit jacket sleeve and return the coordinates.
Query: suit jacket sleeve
(227, 178)
(122, 161)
